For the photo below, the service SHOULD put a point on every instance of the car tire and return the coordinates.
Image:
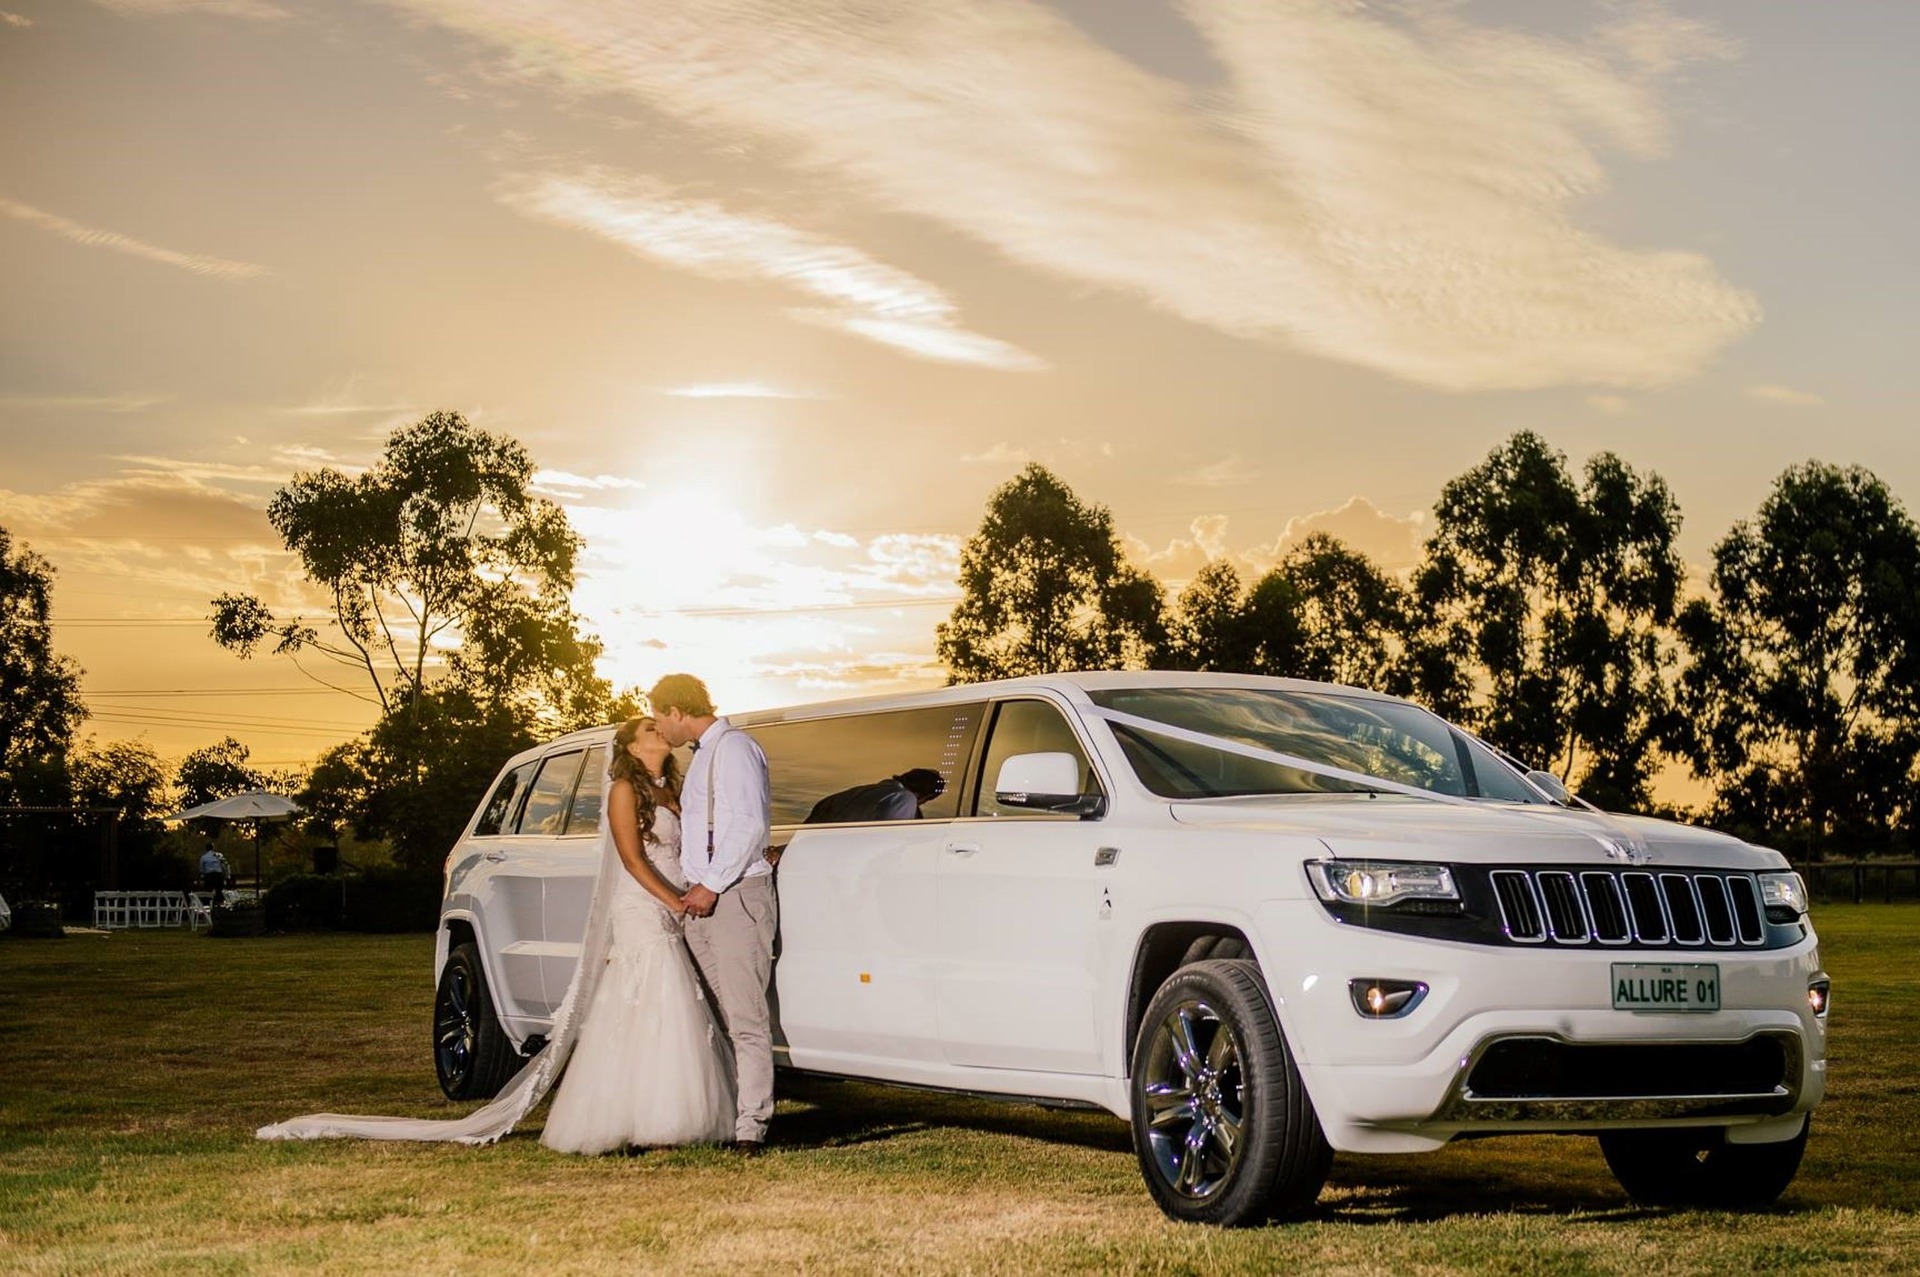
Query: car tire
(1222, 1125)
(471, 1053)
(1701, 1167)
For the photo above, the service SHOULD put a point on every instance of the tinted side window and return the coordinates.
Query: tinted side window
(552, 793)
(584, 816)
(498, 813)
(833, 770)
(1028, 727)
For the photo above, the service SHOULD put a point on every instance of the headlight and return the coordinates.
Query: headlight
(1368, 882)
(1786, 892)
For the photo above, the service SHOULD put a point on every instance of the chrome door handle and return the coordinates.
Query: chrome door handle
(495, 856)
(962, 848)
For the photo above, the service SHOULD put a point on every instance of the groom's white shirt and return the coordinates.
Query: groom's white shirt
(742, 803)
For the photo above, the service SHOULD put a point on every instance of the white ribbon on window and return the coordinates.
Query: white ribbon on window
(1618, 841)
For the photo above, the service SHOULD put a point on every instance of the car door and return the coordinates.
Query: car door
(1018, 910)
(573, 865)
(853, 983)
(507, 901)
(524, 862)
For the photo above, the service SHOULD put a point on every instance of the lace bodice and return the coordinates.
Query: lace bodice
(663, 845)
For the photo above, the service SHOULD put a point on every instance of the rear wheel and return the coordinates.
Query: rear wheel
(1700, 1167)
(471, 1053)
(1222, 1125)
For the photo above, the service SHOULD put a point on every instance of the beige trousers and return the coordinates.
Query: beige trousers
(734, 950)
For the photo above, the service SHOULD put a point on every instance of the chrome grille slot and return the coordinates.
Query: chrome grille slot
(1716, 907)
(1519, 906)
(1683, 907)
(1649, 915)
(1566, 920)
(1629, 907)
(1607, 907)
(1746, 910)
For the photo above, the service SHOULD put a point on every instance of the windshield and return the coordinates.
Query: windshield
(1389, 739)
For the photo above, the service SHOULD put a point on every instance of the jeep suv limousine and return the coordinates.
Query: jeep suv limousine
(1260, 919)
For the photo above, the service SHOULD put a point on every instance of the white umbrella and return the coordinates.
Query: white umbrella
(256, 804)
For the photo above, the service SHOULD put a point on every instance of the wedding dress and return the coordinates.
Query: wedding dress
(645, 1060)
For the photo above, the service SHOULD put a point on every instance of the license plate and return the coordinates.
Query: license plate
(1650, 986)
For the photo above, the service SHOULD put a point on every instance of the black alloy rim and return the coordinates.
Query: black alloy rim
(1193, 1089)
(453, 1031)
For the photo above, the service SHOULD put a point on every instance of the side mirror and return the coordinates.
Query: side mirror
(1045, 782)
(1551, 785)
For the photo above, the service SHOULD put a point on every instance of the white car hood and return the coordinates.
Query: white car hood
(1389, 827)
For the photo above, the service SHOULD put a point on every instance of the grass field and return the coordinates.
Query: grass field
(134, 1068)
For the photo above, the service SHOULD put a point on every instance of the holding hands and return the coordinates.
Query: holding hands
(699, 901)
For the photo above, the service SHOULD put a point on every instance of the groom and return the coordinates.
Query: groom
(732, 912)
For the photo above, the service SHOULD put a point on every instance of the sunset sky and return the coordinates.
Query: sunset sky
(777, 291)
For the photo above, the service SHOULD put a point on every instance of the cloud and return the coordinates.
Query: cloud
(735, 390)
(14, 19)
(346, 399)
(85, 403)
(1053, 452)
(1000, 454)
(865, 297)
(199, 264)
(1393, 542)
(562, 482)
(1773, 393)
(1227, 472)
(1389, 186)
(1610, 405)
(259, 10)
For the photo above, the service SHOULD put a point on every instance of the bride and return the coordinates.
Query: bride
(646, 1063)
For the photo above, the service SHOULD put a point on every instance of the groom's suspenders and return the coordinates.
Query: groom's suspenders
(713, 765)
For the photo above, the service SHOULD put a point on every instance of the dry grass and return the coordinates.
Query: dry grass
(133, 1069)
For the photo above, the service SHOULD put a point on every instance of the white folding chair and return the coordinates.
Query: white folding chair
(199, 910)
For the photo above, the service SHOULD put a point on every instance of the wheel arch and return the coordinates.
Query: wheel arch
(1162, 948)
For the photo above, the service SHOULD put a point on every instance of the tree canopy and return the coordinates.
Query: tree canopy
(440, 552)
(1804, 678)
(1046, 587)
(1542, 607)
(40, 704)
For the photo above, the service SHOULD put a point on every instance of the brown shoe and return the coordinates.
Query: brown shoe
(748, 1148)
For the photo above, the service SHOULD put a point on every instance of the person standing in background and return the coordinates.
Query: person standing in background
(213, 873)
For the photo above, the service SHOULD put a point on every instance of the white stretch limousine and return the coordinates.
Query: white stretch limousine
(1260, 919)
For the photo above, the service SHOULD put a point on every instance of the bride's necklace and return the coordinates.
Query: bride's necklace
(659, 782)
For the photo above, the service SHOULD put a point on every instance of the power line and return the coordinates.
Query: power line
(219, 691)
(646, 614)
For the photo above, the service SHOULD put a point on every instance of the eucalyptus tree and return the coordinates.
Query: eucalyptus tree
(447, 583)
(1544, 607)
(439, 553)
(1208, 627)
(1804, 677)
(40, 704)
(1046, 587)
(1349, 617)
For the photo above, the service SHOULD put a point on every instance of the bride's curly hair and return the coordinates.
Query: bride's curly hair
(628, 768)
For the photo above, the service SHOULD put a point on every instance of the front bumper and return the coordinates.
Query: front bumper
(1406, 1084)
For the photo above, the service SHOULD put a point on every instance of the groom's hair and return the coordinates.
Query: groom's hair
(683, 692)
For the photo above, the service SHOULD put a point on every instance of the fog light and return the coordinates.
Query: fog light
(1385, 999)
(1819, 993)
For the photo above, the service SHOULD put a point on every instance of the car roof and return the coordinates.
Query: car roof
(1073, 686)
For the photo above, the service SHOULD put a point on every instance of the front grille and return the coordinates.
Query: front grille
(1695, 909)
(1547, 1069)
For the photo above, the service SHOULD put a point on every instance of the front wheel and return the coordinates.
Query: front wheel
(1222, 1125)
(1700, 1167)
(471, 1053)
